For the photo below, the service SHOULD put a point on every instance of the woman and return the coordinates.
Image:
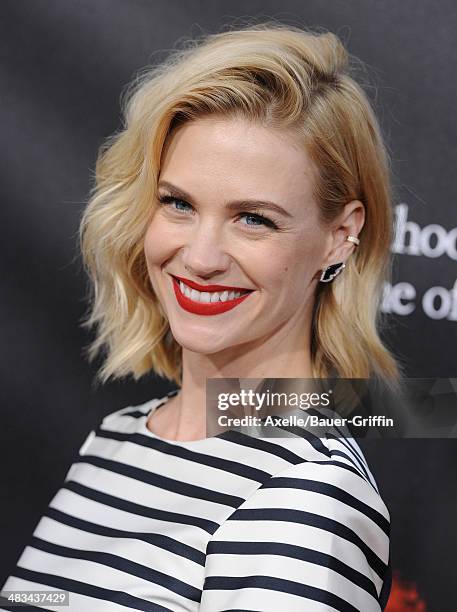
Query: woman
(249, 172)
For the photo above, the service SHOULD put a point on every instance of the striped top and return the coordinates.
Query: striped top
(231, 522)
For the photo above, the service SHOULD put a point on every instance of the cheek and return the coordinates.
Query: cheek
(159, 241)
(290, 271)
(279, 265)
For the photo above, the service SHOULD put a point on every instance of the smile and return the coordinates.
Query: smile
(215, 300)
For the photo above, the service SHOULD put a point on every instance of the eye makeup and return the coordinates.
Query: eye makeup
(262, 220)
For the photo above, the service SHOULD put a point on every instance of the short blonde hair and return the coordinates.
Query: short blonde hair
(283, 77)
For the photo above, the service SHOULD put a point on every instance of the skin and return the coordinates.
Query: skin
(216, 161)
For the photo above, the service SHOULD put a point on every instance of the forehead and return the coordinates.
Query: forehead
(235, 158)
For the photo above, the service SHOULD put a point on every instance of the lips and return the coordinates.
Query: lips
(210, 308)
(194, 285)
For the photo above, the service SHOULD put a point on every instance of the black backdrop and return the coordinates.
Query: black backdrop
(63, 66)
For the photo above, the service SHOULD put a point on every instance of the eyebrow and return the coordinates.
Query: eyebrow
(235, 205)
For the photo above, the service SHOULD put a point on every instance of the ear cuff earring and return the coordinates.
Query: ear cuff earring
(331, 271)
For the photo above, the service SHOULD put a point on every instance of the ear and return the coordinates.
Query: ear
(349, 222)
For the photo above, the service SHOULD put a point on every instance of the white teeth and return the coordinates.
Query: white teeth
(207, 297)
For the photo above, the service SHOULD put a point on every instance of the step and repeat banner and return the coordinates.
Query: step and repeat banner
(418, 291)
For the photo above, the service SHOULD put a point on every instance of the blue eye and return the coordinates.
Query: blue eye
(184, 207)
(170, 200)
(260, 218)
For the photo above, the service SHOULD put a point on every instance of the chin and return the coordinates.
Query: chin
(203, 342)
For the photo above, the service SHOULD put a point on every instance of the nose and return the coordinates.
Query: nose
(203, 254)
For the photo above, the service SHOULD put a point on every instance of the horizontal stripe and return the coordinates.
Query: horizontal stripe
(90, 590)
(122, 504)
(344, 466)
(124, 565)
(278, 584)
(294, 552)
(225, 465)
(321, 522)
(232, 522)
(330, 490)
(300, 432)
(156, 539)
(261, 444)
(162, 482)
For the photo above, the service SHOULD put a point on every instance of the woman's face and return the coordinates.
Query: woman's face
(206, 231)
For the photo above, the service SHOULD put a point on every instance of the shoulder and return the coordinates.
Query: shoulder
(328, 476)
(132, 411)
(314, 531)
(122, 421)
(331, 495)
(339, 490)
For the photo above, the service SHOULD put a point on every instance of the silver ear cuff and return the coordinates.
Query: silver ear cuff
(331, 271)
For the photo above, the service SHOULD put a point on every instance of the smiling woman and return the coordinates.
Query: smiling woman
(250, 172)
(287, 124)
(222, 166)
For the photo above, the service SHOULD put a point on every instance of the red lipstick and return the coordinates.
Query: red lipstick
(194, 285)
(202, 308)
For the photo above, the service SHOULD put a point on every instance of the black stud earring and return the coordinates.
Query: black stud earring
(331, 271)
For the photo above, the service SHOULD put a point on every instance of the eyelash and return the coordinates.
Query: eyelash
(169, 200)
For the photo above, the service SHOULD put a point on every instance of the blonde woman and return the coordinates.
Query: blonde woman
(239, 227)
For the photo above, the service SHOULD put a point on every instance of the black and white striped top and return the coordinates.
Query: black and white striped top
(231, 522)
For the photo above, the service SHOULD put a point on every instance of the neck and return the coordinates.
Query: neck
(284, 354)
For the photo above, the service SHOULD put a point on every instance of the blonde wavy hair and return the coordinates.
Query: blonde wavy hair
(283, 77)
